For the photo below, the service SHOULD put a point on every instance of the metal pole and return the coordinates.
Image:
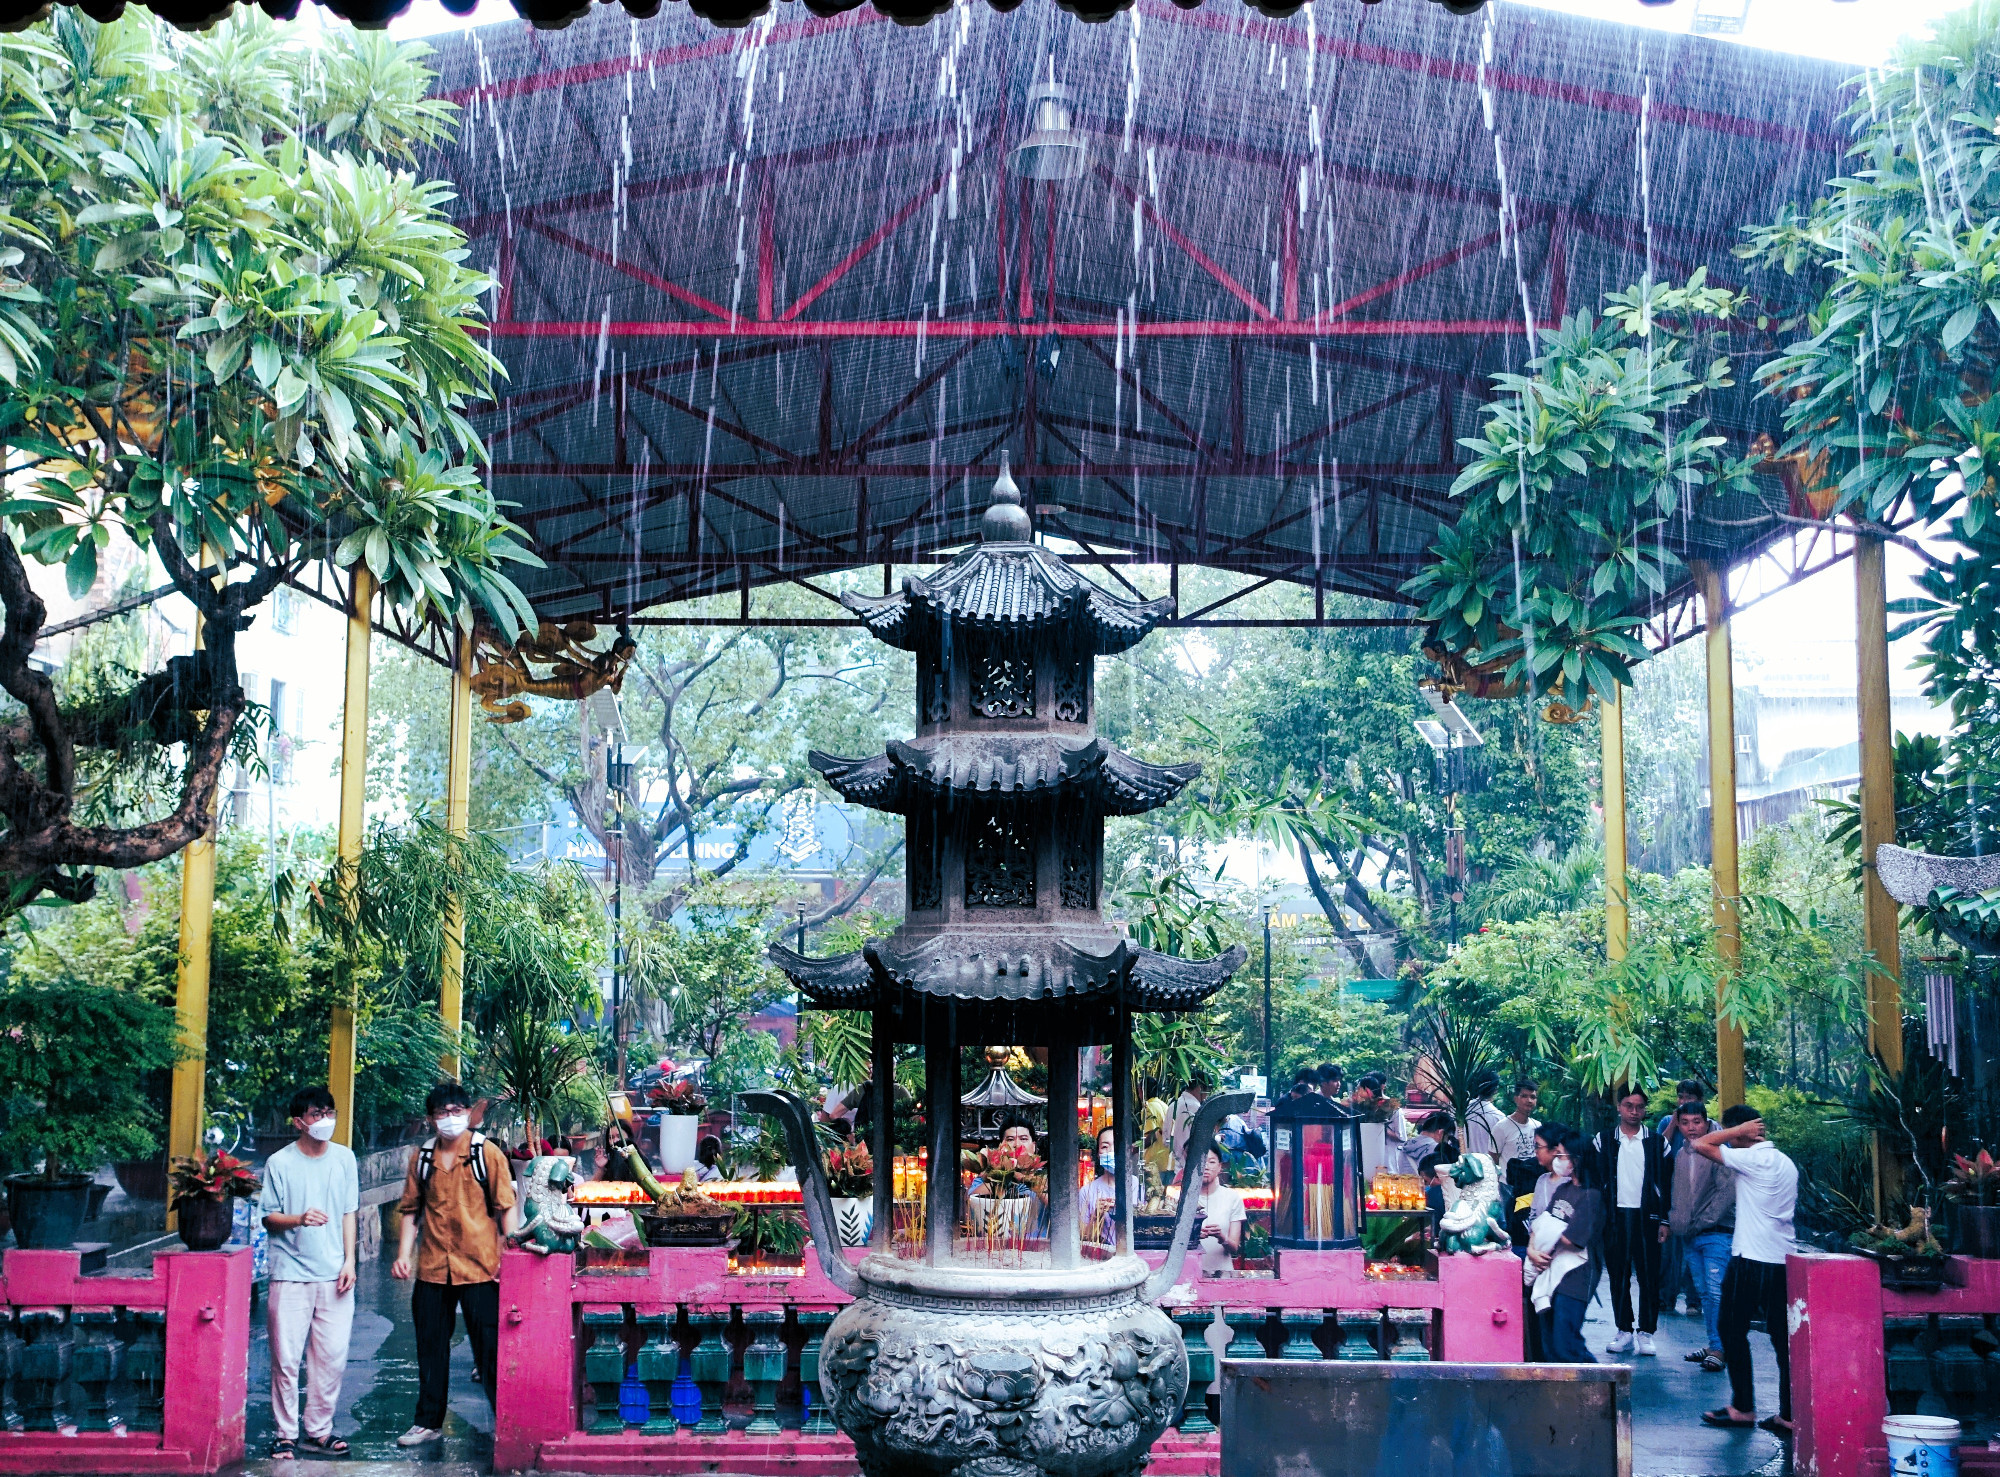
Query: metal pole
(1270, 1081)
(353, 795)
(1062, 1147)
(1617, 913)
(1722, 824)
(1880, 915)
(458, 824)
(187, 1103)
(618, 927)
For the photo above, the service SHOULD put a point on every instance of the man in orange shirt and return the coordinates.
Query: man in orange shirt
(460, 1194)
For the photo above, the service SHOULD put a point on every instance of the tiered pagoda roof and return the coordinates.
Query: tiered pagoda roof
(1008, 797)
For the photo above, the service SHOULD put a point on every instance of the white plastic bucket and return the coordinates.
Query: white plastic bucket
(1922, 1445)
(677, 1141)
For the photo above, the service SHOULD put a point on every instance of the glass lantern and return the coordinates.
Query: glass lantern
(1315, 1174)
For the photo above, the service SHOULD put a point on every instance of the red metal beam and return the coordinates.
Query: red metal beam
(1265, 327)
(1194, 253)
(637, 273)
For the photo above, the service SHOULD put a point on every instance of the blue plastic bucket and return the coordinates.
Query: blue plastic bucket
(1922, 1445)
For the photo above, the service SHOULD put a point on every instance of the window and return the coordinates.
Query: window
(1000, 861)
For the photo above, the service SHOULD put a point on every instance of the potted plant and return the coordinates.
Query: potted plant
(999, 1216)
(681, 1105)
(1974, 1189)
(72, 1080)
(1911, 1259)
(205, 1190)
(768, 1240)
(850, 1178)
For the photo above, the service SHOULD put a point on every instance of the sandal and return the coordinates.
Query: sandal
(1782, 1429)
(1712, 1364)
(328, 1445)
(282, 1450)
(1720, 1416)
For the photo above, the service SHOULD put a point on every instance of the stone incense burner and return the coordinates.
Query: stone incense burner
(1040, 1352)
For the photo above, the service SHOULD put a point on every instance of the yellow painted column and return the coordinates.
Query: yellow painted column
(1878, 799)
(187, 1102)
(1880, 915)
(1617, 915)
(353, 797)
(457, 821)
(1722, 823)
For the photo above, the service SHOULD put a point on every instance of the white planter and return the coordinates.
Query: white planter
(1009, 1220)
(853, 1218)
(678, 1133)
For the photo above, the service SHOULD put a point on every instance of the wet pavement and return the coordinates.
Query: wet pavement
(379, 1394)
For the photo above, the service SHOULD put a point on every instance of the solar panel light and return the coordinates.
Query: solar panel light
(1052, 149)
(1451, 729)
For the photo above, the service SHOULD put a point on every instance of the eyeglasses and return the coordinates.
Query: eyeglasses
(315, 1115)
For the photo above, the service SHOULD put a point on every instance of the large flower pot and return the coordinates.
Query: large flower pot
(678, 1132)
(204, 1223)
(1978, 1230)
(47, 1213)
(143, 1179)
(853, 1218)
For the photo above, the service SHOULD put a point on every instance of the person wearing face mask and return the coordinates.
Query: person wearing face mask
(308, 1203)
(1561, 1239)
(1097, 1201)
(460, 1194)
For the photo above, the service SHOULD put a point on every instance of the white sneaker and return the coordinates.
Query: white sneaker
(418, 1435)
(1646, 1345)
(1620, 1341)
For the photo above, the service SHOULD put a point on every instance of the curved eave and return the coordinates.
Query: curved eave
(907, 773)
(844, 982)
(975, 967)
(1163, 983)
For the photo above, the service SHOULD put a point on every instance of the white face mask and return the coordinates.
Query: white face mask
(1560, 1167)
(451, 1125)
(321, 1130)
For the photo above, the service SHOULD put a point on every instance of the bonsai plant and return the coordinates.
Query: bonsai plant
(73, 1083)
(202, 1190)
(1974, 1189)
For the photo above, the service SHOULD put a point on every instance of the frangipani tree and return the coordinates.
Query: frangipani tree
(238, 328)
(1542, 583)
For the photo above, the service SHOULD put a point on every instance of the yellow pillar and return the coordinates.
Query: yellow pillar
(353, 797)
(1617, 915)
(187, 1103)
(1722, 824)
(1878, 799)
(1878, 825)
(457, 821)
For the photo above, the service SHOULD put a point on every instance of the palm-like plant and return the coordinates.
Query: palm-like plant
(1528, 886)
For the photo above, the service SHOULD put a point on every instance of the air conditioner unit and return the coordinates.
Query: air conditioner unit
(1743, 743)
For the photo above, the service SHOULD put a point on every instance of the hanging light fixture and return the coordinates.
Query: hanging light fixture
(1052, 150)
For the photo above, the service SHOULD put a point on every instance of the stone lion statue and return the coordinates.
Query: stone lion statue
(548, 1221)
(1474, 1220)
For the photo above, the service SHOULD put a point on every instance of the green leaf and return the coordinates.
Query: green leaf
(80, 570)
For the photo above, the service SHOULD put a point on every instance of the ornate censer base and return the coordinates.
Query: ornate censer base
(961, 1372)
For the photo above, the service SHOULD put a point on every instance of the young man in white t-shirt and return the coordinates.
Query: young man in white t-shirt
(1767, 1190)
(309, 1200)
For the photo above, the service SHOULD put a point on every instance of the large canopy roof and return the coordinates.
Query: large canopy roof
(772, 304)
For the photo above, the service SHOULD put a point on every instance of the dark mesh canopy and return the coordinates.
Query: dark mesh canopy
(773, 304)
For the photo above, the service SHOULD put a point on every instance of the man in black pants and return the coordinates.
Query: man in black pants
(1767, 1190)
(1628, 1164)
(460, 1193)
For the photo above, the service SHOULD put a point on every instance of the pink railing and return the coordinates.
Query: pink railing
(1836, 1310)
(107, 1374)
(708, 1343)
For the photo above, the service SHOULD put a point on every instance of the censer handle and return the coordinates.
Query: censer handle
(1201, 1138)
(791, 1111)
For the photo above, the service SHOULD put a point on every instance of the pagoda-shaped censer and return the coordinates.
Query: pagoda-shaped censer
(1047, 1357)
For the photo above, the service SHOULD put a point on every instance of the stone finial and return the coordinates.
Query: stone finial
(1006, 522)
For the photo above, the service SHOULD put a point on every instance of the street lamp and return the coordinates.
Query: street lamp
(1270, 1082)
(1450, 734)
